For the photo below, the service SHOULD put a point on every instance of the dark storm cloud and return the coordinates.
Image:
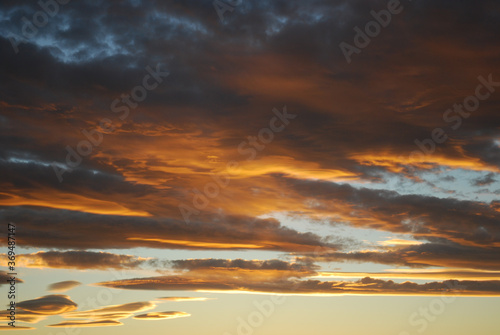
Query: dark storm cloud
(425, 217)
(253, 270)
(28, 173)
(485, 181)
(274, 264)
(116, 40)
(424, 255)
(80, 260)
(50, 228)
(356, 121)
(84, 260)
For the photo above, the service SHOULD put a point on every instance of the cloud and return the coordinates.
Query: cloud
(421, 274)
(48, 305)
(168, 282)
(345, 159)
(161, 315)
(4, 277)
(63, 286)
(425, 217)
(185, 298)
(226, 232)
(24, 316)
(217, 270)
(398, 242)
(220, 275)
(363, 286)
(485, 181)
(105, 316)
(114, 312)
(423, 255)
(197, 88)
(131, 182)
(15, 328)
(100, 323)
(241, 264)
(80, 260)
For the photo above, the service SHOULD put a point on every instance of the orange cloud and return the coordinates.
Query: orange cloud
(63, 285)
(396, 163)
(24, 316)
(114, 311)
(76, 259)
(68, 201)
(81, 324)
(199, 244)
(49, 305)
(4, 275)
(15, 328)
(271, 285)
(417, 274)
(210, 232)
(399, 242)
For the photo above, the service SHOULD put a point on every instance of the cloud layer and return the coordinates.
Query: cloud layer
(255, 134)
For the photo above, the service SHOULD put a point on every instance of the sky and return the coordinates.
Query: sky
(250, 167)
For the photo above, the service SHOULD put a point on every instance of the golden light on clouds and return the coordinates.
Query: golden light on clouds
(399, 242)
(49, 305)
(80, 324)
(172, 151)
(212, 245)
(69, 201)
(445, 274)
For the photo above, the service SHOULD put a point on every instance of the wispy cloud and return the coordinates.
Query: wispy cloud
(161, 315)
(100, 323)
(63, 286)
(49, 305)
(184, 298)
(79, 259)
(362, 286)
